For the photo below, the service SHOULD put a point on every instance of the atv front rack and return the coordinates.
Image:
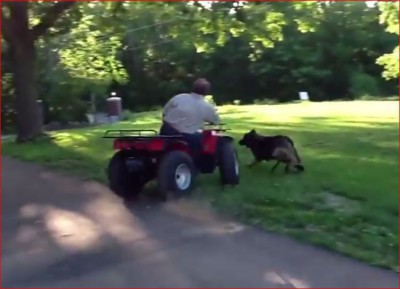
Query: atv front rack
(136, 134)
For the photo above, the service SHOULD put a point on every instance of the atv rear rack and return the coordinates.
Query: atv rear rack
(136, 134)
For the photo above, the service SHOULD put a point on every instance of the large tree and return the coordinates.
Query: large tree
(21, 38)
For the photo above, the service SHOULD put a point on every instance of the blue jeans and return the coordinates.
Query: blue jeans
(193, 140)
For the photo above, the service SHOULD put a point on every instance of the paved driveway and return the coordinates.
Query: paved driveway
(58, 231)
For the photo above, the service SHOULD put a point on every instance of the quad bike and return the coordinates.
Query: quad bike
(144, 155)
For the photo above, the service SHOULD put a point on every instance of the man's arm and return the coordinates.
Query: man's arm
(168, 106)
(210, 114)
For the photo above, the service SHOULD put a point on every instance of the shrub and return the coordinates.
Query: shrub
(126, 115)
(363, 85)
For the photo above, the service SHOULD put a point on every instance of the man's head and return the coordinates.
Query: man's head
(201, 86)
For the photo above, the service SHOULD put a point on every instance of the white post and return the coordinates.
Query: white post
(303, 95)
(93, 104)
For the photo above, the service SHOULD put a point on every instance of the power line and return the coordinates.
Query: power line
(127, 32)
(138, 28)
(149, 45)
(107, 35)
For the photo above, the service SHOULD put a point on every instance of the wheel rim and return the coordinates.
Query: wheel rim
(183, 176)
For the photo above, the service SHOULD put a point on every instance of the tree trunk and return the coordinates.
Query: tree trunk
(29, 121)
(21, 40)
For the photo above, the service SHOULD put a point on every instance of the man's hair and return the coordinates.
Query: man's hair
(201, 86)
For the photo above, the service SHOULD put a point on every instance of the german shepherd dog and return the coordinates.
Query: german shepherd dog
(265, 148)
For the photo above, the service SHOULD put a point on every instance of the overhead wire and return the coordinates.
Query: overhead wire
(129, 31)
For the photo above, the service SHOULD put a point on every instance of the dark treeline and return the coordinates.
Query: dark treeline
(147, 52)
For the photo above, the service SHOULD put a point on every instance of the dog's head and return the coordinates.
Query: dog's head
(248, 138)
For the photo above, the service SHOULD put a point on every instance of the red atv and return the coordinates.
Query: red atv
(144, 155)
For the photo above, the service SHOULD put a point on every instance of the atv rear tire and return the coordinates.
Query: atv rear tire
(176, 174)
(228, 164)
(121, 182)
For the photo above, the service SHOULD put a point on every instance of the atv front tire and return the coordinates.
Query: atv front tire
(176, 174)
(228, 164)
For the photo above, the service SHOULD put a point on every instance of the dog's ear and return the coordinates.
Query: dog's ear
(253, 131)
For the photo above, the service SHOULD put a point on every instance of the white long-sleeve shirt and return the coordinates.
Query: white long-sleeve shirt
(187, 112)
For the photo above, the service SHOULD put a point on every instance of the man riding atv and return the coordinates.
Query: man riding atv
(174, 163)
(186, 113)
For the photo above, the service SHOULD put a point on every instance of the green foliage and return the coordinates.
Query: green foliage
(390, 17)
(91, 54)
(65, 97)
(364, 85)
(126, 115)
(390, 62)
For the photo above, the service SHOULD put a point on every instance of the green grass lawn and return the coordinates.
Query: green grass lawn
(347, 200)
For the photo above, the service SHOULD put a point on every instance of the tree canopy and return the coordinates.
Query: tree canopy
(250, 51)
